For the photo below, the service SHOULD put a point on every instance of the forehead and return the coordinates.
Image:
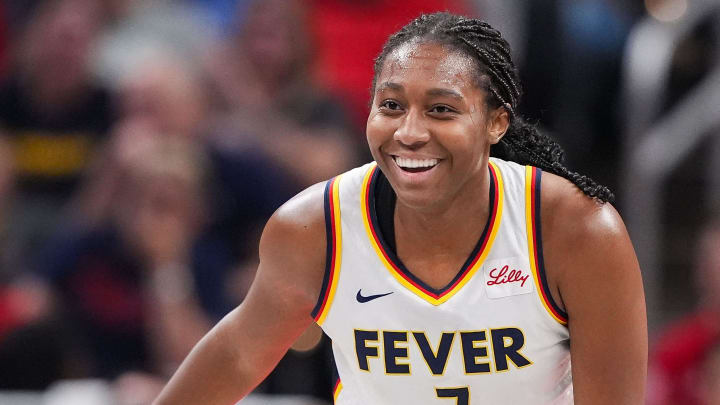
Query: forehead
(426, 62)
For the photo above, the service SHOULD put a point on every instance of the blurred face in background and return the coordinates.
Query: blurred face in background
(166, 96)
(56, 47)
(274, 39)
(160, 207)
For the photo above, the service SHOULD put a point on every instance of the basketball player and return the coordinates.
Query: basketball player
(442, 275)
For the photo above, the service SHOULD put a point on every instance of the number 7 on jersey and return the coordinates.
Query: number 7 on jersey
(461, 394)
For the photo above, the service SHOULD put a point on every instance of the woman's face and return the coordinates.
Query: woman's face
(429, 128)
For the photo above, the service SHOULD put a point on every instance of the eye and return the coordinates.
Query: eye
(441, 109)
(390, 105)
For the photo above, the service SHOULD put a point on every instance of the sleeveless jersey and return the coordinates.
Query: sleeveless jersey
(493, 335)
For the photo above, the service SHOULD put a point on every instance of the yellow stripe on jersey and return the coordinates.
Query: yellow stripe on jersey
(337, 250)
(336, 391)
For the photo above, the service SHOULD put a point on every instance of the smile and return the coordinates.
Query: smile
(415, 165)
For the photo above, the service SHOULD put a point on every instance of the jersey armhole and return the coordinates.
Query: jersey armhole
(533, 177)
(332, 256)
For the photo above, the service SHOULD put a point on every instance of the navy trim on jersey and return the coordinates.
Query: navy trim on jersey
(538, 242)
(392, 255)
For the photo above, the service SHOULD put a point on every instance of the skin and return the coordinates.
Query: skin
(427, 106)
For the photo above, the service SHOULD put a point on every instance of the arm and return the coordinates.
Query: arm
(245, 346)
(592, 264)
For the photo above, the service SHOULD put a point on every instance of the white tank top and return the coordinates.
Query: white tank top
(492, 336)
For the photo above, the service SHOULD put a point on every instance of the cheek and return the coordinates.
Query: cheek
(379, 129)
(463, 136)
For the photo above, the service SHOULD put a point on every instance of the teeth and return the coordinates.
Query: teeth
(415, 163)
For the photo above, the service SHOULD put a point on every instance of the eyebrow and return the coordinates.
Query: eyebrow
(437, 92)
(444, 93)
(389, 85)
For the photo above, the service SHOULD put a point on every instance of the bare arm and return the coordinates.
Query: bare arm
(242, 349)
(597, 278)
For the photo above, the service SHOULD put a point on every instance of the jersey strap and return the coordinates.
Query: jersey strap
(534, 235)
(333, 232)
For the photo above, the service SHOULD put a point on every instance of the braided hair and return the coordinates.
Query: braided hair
(497, 75)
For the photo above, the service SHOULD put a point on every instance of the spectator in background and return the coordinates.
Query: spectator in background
(275, 130)
(135, 269)
(686, 354)
(151, 56)
(143, 284)
(52, 111)
(261, 78)
(159, 96)
(163, 96)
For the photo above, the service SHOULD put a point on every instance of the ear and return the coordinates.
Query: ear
(498, 123)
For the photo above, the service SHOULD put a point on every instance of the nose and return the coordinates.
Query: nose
(412, 131)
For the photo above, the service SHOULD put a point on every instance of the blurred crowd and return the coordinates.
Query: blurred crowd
(144, 143)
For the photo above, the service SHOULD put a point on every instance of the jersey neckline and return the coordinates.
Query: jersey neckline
(395, 266)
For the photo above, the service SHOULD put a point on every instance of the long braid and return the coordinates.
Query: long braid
(522, 143)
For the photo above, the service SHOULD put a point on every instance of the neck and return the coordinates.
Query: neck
(448, 226)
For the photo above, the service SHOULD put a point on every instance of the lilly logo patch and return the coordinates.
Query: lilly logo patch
(506, 277)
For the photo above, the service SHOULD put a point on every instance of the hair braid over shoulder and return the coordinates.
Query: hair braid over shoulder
(522, 143)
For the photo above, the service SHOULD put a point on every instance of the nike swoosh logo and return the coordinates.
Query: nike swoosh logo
(362, 299)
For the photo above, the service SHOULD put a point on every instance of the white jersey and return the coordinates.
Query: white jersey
(492, 336)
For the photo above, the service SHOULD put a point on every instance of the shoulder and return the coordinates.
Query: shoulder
(574, 218)
(293, 246)
(303, 216)
(586, 246)
(300, 221)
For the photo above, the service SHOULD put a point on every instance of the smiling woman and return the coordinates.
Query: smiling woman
(519, 260)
